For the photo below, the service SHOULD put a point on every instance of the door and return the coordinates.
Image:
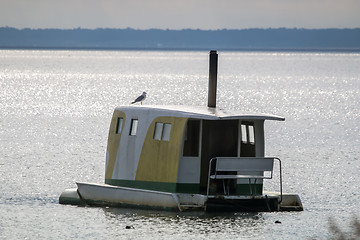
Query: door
(219, 139)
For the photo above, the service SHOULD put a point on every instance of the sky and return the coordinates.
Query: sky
(180, 14)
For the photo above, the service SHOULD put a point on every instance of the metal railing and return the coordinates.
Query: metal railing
(245, 168)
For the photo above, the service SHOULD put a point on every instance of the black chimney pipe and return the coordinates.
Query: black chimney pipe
(213, 65)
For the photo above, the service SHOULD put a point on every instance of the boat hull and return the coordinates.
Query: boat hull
(115, 196)
(104, 194)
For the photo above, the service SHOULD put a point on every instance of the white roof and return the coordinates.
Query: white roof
(198, 112)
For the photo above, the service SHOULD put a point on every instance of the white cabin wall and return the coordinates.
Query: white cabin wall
(121, 168)
(189, 170)
(129, 150)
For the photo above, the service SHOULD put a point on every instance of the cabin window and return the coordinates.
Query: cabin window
(243, 133)
(191, 139)
(166, 132)
(247, 148)
(162, 131)
(247, 133)
(158, 130)
(251, 134)
(134, 125)
(119, 125)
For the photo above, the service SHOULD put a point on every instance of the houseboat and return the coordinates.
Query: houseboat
(187, 158)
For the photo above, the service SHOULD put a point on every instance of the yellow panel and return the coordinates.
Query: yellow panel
(159, 160)
(113, 142)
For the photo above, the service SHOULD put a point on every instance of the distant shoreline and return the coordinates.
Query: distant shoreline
(280, 39)
(355, 50)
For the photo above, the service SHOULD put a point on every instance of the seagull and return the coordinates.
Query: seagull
(140, 98)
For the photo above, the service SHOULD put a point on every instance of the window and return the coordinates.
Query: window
(158, 130)
(251, 134)
(191, 139)
(247, 133)
(243, 133)
(166, 132)
(119, 125)
(162, 131)
(134, 125)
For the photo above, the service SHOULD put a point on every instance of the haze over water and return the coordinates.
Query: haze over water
(56, 108)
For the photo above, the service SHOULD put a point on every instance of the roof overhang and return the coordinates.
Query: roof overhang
(200, 112)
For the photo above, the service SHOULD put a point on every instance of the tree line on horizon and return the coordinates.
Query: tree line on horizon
(224, 39)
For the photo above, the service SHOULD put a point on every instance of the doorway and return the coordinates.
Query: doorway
(219, 139)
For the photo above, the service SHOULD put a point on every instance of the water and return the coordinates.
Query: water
(56, 108)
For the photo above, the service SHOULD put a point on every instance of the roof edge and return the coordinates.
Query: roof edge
(203, 112)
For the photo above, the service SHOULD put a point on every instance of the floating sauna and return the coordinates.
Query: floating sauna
(187, 158)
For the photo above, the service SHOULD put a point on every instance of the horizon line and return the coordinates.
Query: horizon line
(183, 29)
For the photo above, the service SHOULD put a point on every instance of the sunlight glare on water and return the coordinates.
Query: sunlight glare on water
(56, 108)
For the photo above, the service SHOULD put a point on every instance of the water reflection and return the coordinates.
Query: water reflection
(194, 222)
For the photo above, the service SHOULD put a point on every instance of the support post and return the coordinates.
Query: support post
(213, 65)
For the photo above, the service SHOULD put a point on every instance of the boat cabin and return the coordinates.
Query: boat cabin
(170, 149)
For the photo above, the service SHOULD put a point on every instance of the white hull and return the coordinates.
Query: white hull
(114, 195)
(108, 195)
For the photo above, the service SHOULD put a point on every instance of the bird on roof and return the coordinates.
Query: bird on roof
(140, 98)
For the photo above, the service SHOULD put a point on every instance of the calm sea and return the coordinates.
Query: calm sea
(56, 108)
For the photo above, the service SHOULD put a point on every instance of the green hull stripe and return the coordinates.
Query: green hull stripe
(241, 189)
